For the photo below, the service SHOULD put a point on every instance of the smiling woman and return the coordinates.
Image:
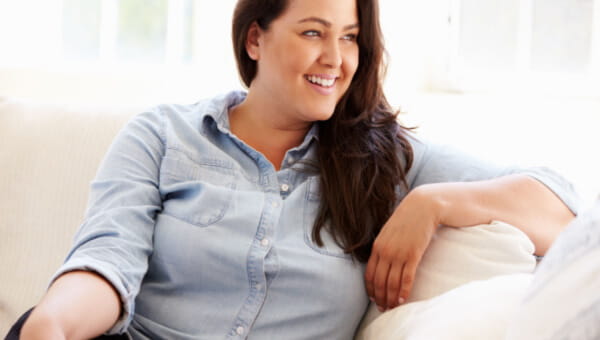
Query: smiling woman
(279, 57)
(218, 219)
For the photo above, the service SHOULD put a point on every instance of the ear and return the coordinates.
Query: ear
(252, 41)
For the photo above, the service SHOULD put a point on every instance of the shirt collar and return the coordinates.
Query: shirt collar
(218, 113)
(218, 109)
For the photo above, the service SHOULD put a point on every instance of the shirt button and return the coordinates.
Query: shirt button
(264, 242)
(285, 187)
(258, 286)
(240, 330)
(275, 204)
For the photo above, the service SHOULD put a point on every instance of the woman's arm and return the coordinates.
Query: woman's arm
(115, 239)
(78, 305)
(515, 199)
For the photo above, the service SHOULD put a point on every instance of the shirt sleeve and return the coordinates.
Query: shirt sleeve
(439, 163)
(115, 238)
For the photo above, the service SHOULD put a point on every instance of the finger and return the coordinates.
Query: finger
(393, 285)
(370, 276)
(380, 283)
(408, 279)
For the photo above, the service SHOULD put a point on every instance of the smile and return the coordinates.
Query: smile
(321, 81)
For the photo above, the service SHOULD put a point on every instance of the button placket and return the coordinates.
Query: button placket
(263, 241)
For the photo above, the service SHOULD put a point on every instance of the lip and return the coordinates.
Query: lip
(320, 89)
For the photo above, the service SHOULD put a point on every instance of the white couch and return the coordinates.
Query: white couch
(49, 153)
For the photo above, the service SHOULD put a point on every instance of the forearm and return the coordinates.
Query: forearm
(78, 305)
(516, 199)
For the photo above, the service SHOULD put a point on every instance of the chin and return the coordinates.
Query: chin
(324, 115)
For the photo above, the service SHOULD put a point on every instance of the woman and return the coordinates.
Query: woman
(253, 215)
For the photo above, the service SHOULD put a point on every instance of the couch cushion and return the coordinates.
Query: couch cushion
(477, 310)
(563, 302)
(48, 155)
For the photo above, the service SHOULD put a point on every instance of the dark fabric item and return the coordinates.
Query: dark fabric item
(15, 331)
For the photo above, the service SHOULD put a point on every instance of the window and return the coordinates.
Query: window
(141, 27)
(561, 35)
(129, 50)
(141, 31)
(81, 27)
(550, 45)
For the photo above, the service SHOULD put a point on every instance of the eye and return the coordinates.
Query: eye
(311, 33)
(350, 37)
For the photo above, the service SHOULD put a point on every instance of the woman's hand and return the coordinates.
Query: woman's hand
(398, 248)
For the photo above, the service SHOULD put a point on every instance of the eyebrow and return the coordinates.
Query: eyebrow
(326, 23)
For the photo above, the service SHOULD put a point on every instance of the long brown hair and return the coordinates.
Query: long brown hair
(363, 152)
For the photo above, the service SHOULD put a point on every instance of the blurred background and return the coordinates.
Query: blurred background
(513, 81)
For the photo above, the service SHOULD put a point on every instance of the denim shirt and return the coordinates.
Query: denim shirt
(203, 239)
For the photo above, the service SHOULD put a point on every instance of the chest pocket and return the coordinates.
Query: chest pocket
(311, 208)
(197, 192)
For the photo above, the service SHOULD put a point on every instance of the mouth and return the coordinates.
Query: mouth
(326, 81)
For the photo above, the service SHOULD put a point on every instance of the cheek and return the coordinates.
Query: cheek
(288, 62)
(298, 58)
(352, 63)
(349, 71)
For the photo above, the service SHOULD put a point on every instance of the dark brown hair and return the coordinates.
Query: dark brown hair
(359, 146)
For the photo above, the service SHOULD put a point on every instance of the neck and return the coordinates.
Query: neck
(266, 128)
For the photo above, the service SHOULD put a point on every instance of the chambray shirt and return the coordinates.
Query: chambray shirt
(204, 239)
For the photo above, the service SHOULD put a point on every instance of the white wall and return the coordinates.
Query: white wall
(561, 133)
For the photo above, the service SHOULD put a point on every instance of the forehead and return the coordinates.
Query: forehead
(336, 12)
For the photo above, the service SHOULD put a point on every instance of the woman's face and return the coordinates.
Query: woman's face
(307, 58)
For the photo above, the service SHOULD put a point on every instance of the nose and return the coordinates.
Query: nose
(331, 55)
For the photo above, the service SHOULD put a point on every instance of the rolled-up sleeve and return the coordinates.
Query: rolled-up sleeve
(115, 239)
(439, 163)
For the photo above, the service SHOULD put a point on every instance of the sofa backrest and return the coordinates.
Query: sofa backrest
(48, 156)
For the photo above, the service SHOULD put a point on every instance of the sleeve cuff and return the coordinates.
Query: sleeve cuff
(562, 188)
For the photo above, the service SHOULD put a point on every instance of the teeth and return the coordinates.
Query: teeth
(321, 81)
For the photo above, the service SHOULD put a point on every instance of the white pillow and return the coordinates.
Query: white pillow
(476, 310)
(563, 301)
(457, 256)
(460, 255)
